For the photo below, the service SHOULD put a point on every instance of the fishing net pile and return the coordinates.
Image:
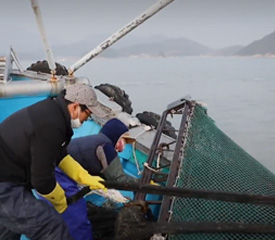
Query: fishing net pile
(112, 223)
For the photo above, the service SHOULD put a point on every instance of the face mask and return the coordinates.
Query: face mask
(75, 123)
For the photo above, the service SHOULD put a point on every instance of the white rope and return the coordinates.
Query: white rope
(111, 194)
(135, 158)
(158, 160)
(150, 168)
(157, 236)
(146, 129)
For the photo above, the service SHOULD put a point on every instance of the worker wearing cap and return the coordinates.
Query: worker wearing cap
(98, 155)
(33, 141)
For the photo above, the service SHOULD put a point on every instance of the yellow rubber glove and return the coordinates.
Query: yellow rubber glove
(75, 171)
(57, 198)
(153, 183)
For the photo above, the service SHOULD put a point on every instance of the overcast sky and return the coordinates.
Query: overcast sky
(214, 23)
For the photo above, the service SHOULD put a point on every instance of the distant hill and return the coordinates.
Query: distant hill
(157, 47)
(166, 48)
(131, 46)
(174, 48)
(229, 51)
(79, 48)
(264, 46)
(152, 47)
(147, 47)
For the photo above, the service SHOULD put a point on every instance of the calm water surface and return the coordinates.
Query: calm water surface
(238, 92)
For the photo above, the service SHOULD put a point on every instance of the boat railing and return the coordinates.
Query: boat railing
(5, 67)
(16, 60)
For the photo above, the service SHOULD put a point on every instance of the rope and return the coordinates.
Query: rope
(150, 168)
(135, 158)
(146, 129)
(158, 160)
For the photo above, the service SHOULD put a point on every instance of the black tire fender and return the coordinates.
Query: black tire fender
(118, 95)
(152, 119)
(43, 67)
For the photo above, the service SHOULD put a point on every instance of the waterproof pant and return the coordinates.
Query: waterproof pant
(75, 215)
(22, 213)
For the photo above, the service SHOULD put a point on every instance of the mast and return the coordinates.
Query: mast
(47, 48)
(119, 34)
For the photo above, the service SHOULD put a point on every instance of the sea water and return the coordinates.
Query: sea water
(237, 91)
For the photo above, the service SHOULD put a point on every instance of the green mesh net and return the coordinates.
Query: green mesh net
(212, 161)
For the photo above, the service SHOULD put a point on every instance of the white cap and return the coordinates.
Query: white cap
(84, 95)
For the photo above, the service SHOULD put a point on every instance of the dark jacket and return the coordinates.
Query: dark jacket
(97, 154)
(33, 141)
(84, 151)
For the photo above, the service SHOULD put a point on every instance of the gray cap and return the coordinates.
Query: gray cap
(84, 95)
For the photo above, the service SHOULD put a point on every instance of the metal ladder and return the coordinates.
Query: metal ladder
(181, 107)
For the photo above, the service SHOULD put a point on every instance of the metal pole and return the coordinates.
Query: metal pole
(193, 193)
(119, 34)
(47, 48)
(141, 230)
